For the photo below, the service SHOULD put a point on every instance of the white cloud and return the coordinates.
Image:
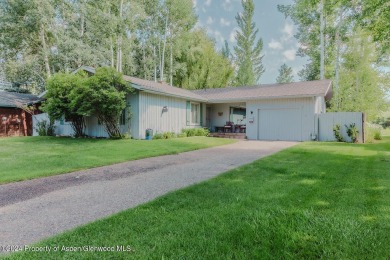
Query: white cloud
(227, 5)
(210, 20)
(195, 3)
(218, 36)
(289, 54)
(275, 45)
(288, 31)
(224, 22)
(207, 2)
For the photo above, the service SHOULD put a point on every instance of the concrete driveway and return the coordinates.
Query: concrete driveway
(40, 208)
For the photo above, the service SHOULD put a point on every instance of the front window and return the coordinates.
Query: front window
(195, 113)
(122, 118)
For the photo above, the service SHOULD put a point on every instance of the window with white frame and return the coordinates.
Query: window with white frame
(195, 113)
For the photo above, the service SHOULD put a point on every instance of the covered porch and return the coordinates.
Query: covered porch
(226, 120)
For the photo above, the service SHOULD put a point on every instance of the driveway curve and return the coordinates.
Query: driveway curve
(37, 209)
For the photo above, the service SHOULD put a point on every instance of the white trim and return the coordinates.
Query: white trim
(161, 93)
(240, 100)
(198, 113)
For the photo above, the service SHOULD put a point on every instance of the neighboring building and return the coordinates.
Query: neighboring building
(265, 112)
(14, 121)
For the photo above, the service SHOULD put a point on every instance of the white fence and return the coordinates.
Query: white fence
(64, 129)
(36, 119)
(327, 121)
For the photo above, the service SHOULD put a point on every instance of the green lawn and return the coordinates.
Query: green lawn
(315, 200)
(25, 158)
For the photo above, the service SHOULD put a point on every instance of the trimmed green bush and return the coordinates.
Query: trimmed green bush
(195, 132)
(169, 135)
(378, 135)
(165, 135)
(45, 128)
(184, 133)
(158, 136)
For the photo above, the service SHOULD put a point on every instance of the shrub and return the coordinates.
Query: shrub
(169, 135)
(188, 132)
(378, 135)
(352, 132)
(337, 133)
(202, 132)
(195, 132)
(45, 128)
(165, 135)
(158, 136)
(184, 133)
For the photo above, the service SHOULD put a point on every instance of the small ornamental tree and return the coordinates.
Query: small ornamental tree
(103, 95)
(58, 100)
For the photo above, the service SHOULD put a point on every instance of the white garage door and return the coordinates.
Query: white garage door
(280, 124)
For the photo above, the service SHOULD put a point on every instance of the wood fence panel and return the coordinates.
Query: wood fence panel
(327, 121)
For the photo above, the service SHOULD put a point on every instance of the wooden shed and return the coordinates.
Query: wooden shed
(14, 120)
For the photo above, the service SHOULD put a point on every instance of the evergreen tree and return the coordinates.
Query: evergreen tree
(226, 51)
(285, 74)
(249, 60)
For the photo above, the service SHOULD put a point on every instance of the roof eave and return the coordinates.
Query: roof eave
(43, 94)
(85, 68)
(235, 100)
(329, 92)
(8, 106)
(141, 88)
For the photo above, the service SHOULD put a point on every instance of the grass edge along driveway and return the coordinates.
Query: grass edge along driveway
(24, 158)
(315, 200)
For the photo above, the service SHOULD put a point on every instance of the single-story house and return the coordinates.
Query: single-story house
(15, 121)
(265, 112)
(270, 112)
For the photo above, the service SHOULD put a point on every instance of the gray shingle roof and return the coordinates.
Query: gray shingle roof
(296, 89)
(154, 87)
(163, 88)
(232, 94)
(13, 99)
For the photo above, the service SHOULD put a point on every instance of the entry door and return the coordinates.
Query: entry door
(283, 124)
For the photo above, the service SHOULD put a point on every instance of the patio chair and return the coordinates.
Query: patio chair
(228, 128)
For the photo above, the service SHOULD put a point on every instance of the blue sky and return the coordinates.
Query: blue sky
(280, 46)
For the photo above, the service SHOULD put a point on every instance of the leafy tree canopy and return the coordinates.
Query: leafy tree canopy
(58, 104)
(139, 38)
(103, 95)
